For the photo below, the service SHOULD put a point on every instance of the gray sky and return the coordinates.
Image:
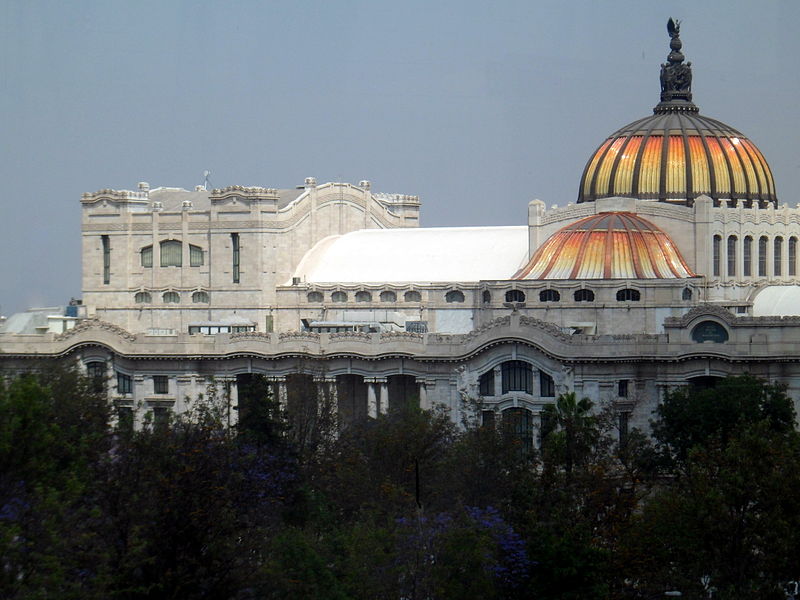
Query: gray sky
(477, 107)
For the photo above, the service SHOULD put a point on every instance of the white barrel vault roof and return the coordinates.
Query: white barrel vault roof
(416, 255)
(777, 301)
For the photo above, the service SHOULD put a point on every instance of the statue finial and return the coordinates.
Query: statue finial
(676, 77)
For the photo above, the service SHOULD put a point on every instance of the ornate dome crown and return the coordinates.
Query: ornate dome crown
(613, 245)
(676, 155)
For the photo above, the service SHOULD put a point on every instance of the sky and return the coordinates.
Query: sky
(476, 107)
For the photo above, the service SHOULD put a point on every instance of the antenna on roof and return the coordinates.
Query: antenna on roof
(206, 173)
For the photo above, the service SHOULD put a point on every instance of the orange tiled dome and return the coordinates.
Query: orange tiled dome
(614, 245)
(676, 155)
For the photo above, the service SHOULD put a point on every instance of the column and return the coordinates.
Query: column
(384, 400)
(423, 395)
(498, 382)
(372, 400)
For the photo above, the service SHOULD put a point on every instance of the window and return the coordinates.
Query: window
(687, 294)
(339, 297)
(623, 428)
(171, 253)
(732, 239)
(747, 257)
(315, 297)
(143, 298)
(147, 256)
(549, 296)
(584, 296)
(518, 423)
(106, 259)
(124, 383)
(716, 250)
(517, 376)
(235, 256)
(515, 296)
(777, 256)
(487, 419)
(195, 256)
(487, 299)
(160, 418)
(96, 370)
(710, 331)
(171, 298)
(622, 388)
(363, 296)
(762, 256)
(547, 387)
(486, 383)
(200, 298)
(388, 296)
(160, 384)
(412, 296)
(125, 418)
(628, 295)
(792, 256)
(454, 296)
(417, 326)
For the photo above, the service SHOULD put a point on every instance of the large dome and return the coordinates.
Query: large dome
(613, 245)
(676, 154)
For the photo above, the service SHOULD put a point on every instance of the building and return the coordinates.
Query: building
(677, 264)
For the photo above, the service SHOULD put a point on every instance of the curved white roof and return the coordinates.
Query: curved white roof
(777, 301)
(420, 255)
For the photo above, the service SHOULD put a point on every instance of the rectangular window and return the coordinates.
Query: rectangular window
(516, 376)
(622, 388)
(487, 418)
(160, 384)
(236, 257)
(623, 428)
(486, 383)
(124, 383)
(97, 375)
(777, 247)
(160, 418)
(106, 259)
(195, 256)
(762, 257)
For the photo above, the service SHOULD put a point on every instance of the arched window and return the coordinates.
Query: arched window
(517, 376)
(584, 296)
(732, 239)
(339, 296)
(687, 294)
(518, 423)
(792, 256)
(412, 296)
(143, 298)
(171, 298)
(96, 370)
(716, 251)
(486, 297)
(777, 256)
(549, 296)
(515, 296)
(171, 253)
(200, 298)
(363, 296)
(547, 387)
(388, 296)
(454, 296)
(628, 295)
(146, 254)
(195, 256)
(486, 383)
(315, 297)
(762, 256)
(747, 257)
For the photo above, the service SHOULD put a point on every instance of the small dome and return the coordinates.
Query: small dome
(614, 245)
(676, 155)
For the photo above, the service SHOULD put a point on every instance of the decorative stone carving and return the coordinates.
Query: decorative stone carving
(94, 324)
